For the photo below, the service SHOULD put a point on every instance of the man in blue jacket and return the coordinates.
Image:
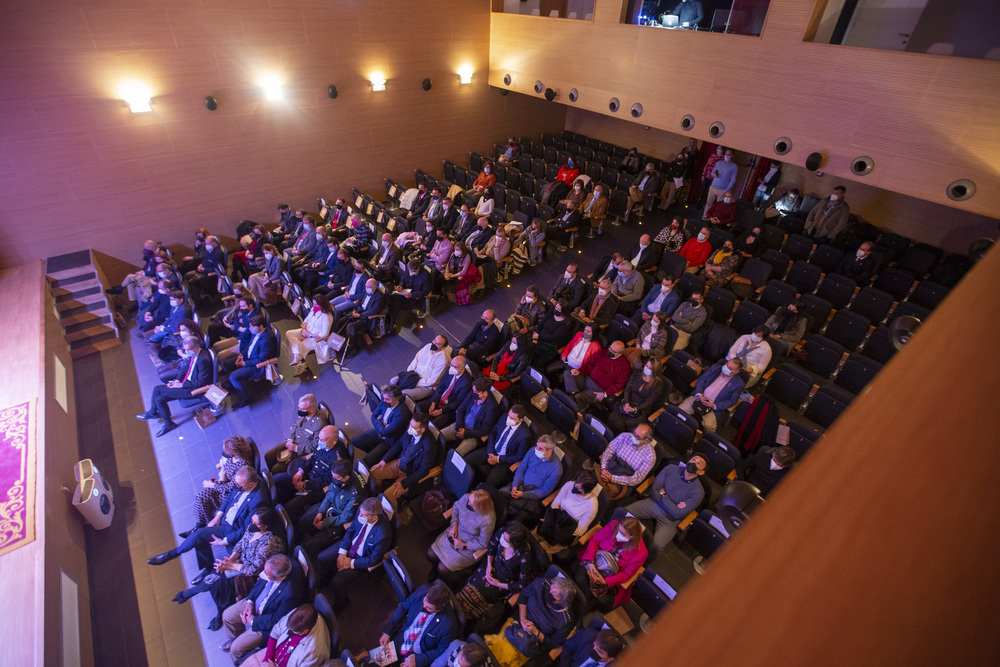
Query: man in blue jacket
(179, 311)
(536, 477)
(718, 389)
(412, 291)
(450, 393)
(422, 626)
(663, 300)
(226, 528)
(406, 461)
(254, 354)
(359, 553)
(475, 417)
(390, 417)
(248, 623)
(362, 319)
(509, 441)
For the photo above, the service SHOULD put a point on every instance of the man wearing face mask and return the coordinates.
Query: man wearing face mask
(486, 179)
(325, 523)
(191, 262)
(154, 312)
(602, 306)
(554, 331)
(426, 370)
(644, 254)
(673, 180)
(723, 178)
(449, 219)
(558, 227)
(598, 379)
(696, 251)
(570, 287)
(423, 626)
(664, 300)
(752, 349)
(535, 478)
(646, 183)
(718, 389)
(434, 210)
(266, 283)
(507, 445)
(449, 394)
(688, 318)
(202, 281)
(483, 340)
(475, 417)
(828, 217)
(766, 467)
(355, 559)
(528, 311)
(676, 492)
(419, 206)
(390, 417)
(302, 436)
(628, 287)
(859, 267)
(197, 365)
(510, 152)
(626, 461)
(723, 211)
(405, 462)
(720, 265)
(254, 355)
(306, 480)
(303, 241)
(490, 256)
(314, 258)
(360, 238)
(248, 623)
(411, 293)
(386, 262)
(594, 210)
(361, 319)
(589, 646)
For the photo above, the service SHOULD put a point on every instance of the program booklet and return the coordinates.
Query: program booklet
(384, 655)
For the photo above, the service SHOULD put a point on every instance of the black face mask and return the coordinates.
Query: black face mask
(595, 656)
(340, 206)
(577, 491)
(254, 528)
(435, 348)
(303, 413)
(692, 467)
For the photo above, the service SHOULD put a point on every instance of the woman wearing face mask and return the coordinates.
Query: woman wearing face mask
(466, 539)
(721, 266)
(574, 199)
(236, 574)
(610, 562)
(253, 248)
(299, 639)
(571, 513)
(266, 283)
(505, 571)
(486, 179)
(751, 242)
(512, 360)
(492, 255)
(672, 236)
(312, 336)
(788, 325)
(536, 240)
(552, 333)
(440, 252)
(528, 311)
(653, 337)
(460, 275)
(643, 391)
(485, 206)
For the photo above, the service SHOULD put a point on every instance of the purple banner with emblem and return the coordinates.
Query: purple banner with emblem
(17, 476)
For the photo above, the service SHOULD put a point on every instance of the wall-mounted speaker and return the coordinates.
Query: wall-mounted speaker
(961, 190)
(539, 86)
(574, 94)
(814, 161)
(614, 104)
(862, 166)
(211, 103)
(507, 79)
(550, 94)
(636, 110)
(782, 145)
(716, 129)
(426, 84)
(687, 123)
(332, 92)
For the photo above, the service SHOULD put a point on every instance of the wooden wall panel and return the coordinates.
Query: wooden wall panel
(117, 178)
(920, 117)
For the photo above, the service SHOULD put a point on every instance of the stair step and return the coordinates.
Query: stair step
(75, 290)
(76, 353)
(81, 304)
(91, 334)
(70, 276)
(86, 319)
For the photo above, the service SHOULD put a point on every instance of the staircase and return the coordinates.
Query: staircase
(87, 320)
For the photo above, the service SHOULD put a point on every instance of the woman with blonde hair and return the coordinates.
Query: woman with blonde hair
(465, 541)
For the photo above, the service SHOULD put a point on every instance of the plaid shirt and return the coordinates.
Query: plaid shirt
(640, 458)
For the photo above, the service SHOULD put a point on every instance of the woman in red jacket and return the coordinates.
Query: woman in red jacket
(610, 562)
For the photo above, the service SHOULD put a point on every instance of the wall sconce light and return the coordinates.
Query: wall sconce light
(272, 88)
(137, 96)
(378, 81)
(465, 74)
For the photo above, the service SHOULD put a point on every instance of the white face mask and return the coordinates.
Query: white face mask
(727, 200)
(577, 188)
(602, 291)
(503, 542)
(621, 538)
(774, 465)
(540, 454)
(755, 338)
(702, 237)
(452, 370)
(648, 372)
(654, 323)
(513, 346)
(728, 158)
(834, 197)
(174, 304)
(412, 431)
(568, 275)
(385, 244)
(636, 441)
(861, 254)
(457, 253)
(665, 290)
(511, 422)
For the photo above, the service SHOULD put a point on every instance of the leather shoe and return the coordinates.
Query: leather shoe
(239, 404)
(145, 416)
(167, 428)
(227, 645)
(159, 559)
(200, 577)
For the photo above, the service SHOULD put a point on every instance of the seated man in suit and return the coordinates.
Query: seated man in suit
(591, 647)
(155, 311)
(535, 478)
(717, 390)
(390, 417)
(766, 467)
(353, 290)
(196, 380)
(433, 211)
(406, 461)
(754, 351)
(385, 264)
(326, 522)
(607, 268)
(602, 306)
(339, 276)
(307, 479)
(419, 206)
(556, 231)
(644, 254)
(664, 300)
(859, 267)
(318, 273)
(248, 622)
(570, 287)
(646, 183)
(360, 552)
(422, 626)
(482, 341)
(475, 417)
(180, 310)
(360, 321)
(411, 292)
(509, 441)
(594, 210)
(252, 359)
(225, 528)
(315, 258)
(442, 405)
(202, 280)
(463, 654)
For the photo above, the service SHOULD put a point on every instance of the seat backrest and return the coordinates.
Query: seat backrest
(672, 264)
(675, 429)
(722, 302)
(457, 474)
(879, 346)
(757, 271)
(774, 237)
(908, 308)
(928, 294)
(325, 609)
(872, 303)
(836, 289)
(704, 538)
(848, 328)
(827, 404)
(804, 276)
(895, 282)
(748, 316)
(801, 438)
(398, 576)
(797, 246)
(827, 257)
(778, 260)
(690, 283)
(678, 372)
(822, 355)
(857, 372)
(789, 385)
(591, 441)
(776, 294)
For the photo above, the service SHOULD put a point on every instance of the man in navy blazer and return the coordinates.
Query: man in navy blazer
(203, 279)
(442, 405)
(359, 553)
(226, 527)
(475, 418)
(195, 379)
(570, 287)
(390, 417)
(248, 623)
(360, 321)
(509, 441)
(429, 615)
(253, 357)
(406, 461)
(414, 286)
(483, 340)
(178, 311)
(664, 299)
(598, 646)
(718, 389)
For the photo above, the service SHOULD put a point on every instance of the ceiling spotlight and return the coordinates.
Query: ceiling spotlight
(137, 96)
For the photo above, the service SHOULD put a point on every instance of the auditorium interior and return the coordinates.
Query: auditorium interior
(128, 120)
